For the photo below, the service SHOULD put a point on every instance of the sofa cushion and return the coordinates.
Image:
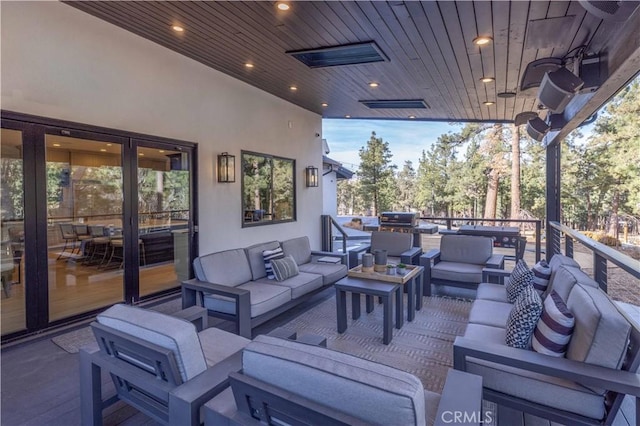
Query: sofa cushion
(215, 268)
(284, 268)
(520, 277)
(331, 272)
(454, 271)
(496, 292)
(466, 249)
(601, 332)
(523, 318)
(219, 344)
(264, 298)
(490, 312)
(301, 284)
(555, 327)
(175, 334)
(367, 390)
(299, 248)
(268, 256)
(557, 261)
(395, 243)
(256, 261)
(541, 275)
(565, 277)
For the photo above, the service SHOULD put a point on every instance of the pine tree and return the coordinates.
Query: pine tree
(376, 174)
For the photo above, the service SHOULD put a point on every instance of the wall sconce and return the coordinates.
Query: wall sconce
(226, 168)
(311, 175)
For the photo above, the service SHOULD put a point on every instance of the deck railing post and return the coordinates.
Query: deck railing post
(568, 245)
(600, 271)
(538, 238)
(326, 240)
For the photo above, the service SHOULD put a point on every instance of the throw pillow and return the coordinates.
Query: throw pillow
(520, 277)
(555, 327)
(268, 256)
(285, 268)
(542, 274)
(523, 318)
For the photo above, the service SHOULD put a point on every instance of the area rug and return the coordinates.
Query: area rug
(423, 347)
(72, 341)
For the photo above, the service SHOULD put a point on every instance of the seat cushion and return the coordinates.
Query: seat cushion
(496, 292)
(175, 334)
(367, 390)
(395, 243)
(219, 344)
(330, 272)
(300, 284)
(264, 298)
(490, 312)
(555, 327)
(256, 260)
(466, 249)
(299, 248)
(216, 268)
(454, 271)
(284, 268)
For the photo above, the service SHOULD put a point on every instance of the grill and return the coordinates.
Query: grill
(398, 221)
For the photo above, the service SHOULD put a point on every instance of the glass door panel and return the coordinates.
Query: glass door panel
(12, 272)
(84, 228)
(163, 218)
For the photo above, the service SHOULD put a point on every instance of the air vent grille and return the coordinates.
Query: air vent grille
(347, 54)
(396, 104)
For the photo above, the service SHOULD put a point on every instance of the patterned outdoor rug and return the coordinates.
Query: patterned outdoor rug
(423, 347)
(74, 340)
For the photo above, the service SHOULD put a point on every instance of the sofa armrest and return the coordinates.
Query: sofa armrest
(495, 261)
(342, 257)
(624, 382)
(411, 256)
(353, 254)
(462, 393)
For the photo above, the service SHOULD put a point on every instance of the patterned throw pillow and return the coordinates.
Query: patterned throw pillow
(268, 256)
(285, 268)
(523, 318)
(520, 277)
(542, 274)
(555, 327)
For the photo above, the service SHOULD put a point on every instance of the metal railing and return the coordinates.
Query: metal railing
(328, 223)
(601, 253)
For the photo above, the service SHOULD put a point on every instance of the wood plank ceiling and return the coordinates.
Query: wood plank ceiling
(429, 44)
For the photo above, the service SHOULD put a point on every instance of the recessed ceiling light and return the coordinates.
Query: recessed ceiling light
(412, 117)
(161, 151)
(324, 104)
(347, 116)
(248, 65)
(108, 144)
(103, 150)
(489, 103)
(293, 88)
(482, 40)
(283, 6)
(141, 154)
(56, 144)
(177, 28)
(374, 84)
(487, 79)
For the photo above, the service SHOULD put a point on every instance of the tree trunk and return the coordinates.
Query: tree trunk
(613, 219)
(515, 174)
(492, 196)
(590, 224)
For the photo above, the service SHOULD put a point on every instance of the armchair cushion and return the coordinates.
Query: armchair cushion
(265, 296)
(555, 327)
(395, 243)
(465, 249)
(299, 248)
(377, 393)
(256, 261)
(171, 333)
(454, 271)
(284, 268)
(229, 268)
(523, 318)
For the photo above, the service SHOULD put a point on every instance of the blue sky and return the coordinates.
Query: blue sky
(406, 139)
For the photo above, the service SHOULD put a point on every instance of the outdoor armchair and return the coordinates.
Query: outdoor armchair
(399, 247)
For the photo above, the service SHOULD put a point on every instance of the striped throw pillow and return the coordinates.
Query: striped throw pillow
(555, 327)
(541, 275)
(268, 256)
(520, 277)
(285, 268)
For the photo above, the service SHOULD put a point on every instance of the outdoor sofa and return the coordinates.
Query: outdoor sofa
(585, 387)
(233, 284)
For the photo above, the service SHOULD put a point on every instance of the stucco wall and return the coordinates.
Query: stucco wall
(61, 63)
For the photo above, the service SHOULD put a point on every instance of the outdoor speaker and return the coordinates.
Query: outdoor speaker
(537, 128)
(558, 88)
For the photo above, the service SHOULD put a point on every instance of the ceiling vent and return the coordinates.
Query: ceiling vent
(346, 54)
(535, 71)
(614, 11)
(396, 104)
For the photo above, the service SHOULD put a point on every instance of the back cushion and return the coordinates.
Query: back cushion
(601, 332)
(175, 334)
(373, 392)
(466, 249)
(229, 268)
(299, 248)
(565, 277)
(256, 259)
(395, 243)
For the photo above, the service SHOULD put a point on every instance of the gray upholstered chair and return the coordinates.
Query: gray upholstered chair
(459, 261)
(399, 247)
(293, 383)
(159, 364)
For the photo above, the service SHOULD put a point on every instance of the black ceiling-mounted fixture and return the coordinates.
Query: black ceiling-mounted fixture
(524, 117)
(535, 71)
(558, 88)
(614, 11)
(346, 54)
(396, 104)
(537, 128)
